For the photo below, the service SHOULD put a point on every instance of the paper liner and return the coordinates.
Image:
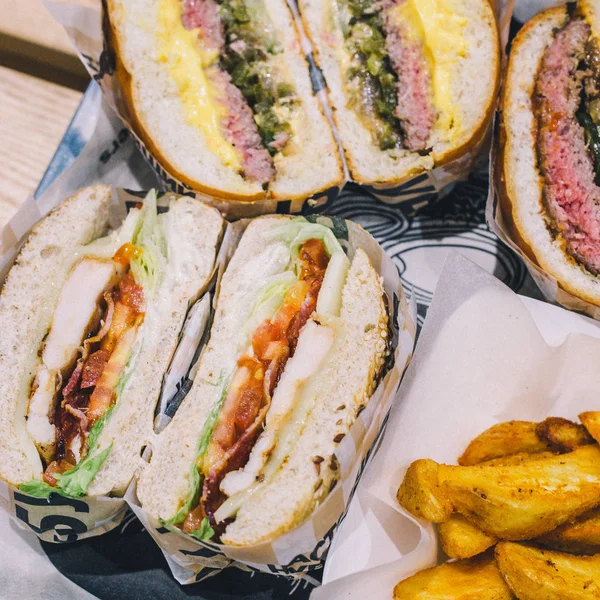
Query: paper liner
(484, 356)
(85, 23)
(304, 548)
(59, 518)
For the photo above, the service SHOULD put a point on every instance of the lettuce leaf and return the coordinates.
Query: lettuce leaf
(149, 266)
(75, 483)
(298, 230)
(203, 440)
(206, 532)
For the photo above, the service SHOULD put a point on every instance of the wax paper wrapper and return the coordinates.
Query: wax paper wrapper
(86, 24)
(59, 518)
(485, 355)
(303, 549)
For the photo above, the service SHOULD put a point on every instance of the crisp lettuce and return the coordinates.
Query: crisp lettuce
(298, 230)
(203, 441)
(206, 532)
(149, 266)
(270, 298)
(75, 483)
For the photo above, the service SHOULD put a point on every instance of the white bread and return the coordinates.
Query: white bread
(475, 85)
(27, 302)
(298, 485)
(157, 116)
(192, 231)
(519, 180)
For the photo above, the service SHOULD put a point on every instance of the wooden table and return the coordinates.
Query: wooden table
(41, 84)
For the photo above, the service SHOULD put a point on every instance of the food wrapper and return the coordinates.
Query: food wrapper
(498, 221)
(58, 518)
(303, 549)
(484, 356)
(85, 23)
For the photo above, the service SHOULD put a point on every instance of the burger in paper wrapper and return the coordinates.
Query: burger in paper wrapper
(91, 315)
(310, 337)
(224, 99)
(545, 205)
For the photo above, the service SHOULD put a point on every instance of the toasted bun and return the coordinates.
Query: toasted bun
(156, 113)
(475, 84)
(27, 303)
(519, 180)
(298, 486)
(192, 231)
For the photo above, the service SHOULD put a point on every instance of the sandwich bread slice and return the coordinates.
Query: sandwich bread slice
(90, 319)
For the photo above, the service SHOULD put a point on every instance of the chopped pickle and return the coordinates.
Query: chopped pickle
(250, 42)
(370, 80)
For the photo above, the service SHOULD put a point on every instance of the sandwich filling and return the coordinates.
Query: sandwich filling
(289, 335)
(227, 63)
(90, 351)
(567, 107)
(397, 59)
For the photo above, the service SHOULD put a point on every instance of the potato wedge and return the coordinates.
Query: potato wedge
(474, 579)
(517, 459)
(563, 435)
(582, 536)
(503, 439)
(591, 421)
(420, 494)
(534, 574)
(521, 501)
(461, 539)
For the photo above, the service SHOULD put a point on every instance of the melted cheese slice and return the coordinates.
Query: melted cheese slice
(439, 27)
(186, 60)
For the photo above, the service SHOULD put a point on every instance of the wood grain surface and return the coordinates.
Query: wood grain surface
(33, 42)
(34, 115)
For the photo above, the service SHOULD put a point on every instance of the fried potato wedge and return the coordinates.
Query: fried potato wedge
(582, 536)
(521, 501)
(534, 574)
(461, 539)
(420, 494)
(563, 435)
(503, 439)
(591, 421)
(474, 579)
(517, 459)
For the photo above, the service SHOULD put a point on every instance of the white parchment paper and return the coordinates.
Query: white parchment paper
(484, 356)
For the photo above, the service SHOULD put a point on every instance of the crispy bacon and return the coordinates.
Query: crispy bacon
(93, 368)
(242, 416)
(73, 380)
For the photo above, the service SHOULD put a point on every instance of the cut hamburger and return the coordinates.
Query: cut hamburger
(549, 157)
(220, 93)
(298, 342)
(412, 83)
(89, 325)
